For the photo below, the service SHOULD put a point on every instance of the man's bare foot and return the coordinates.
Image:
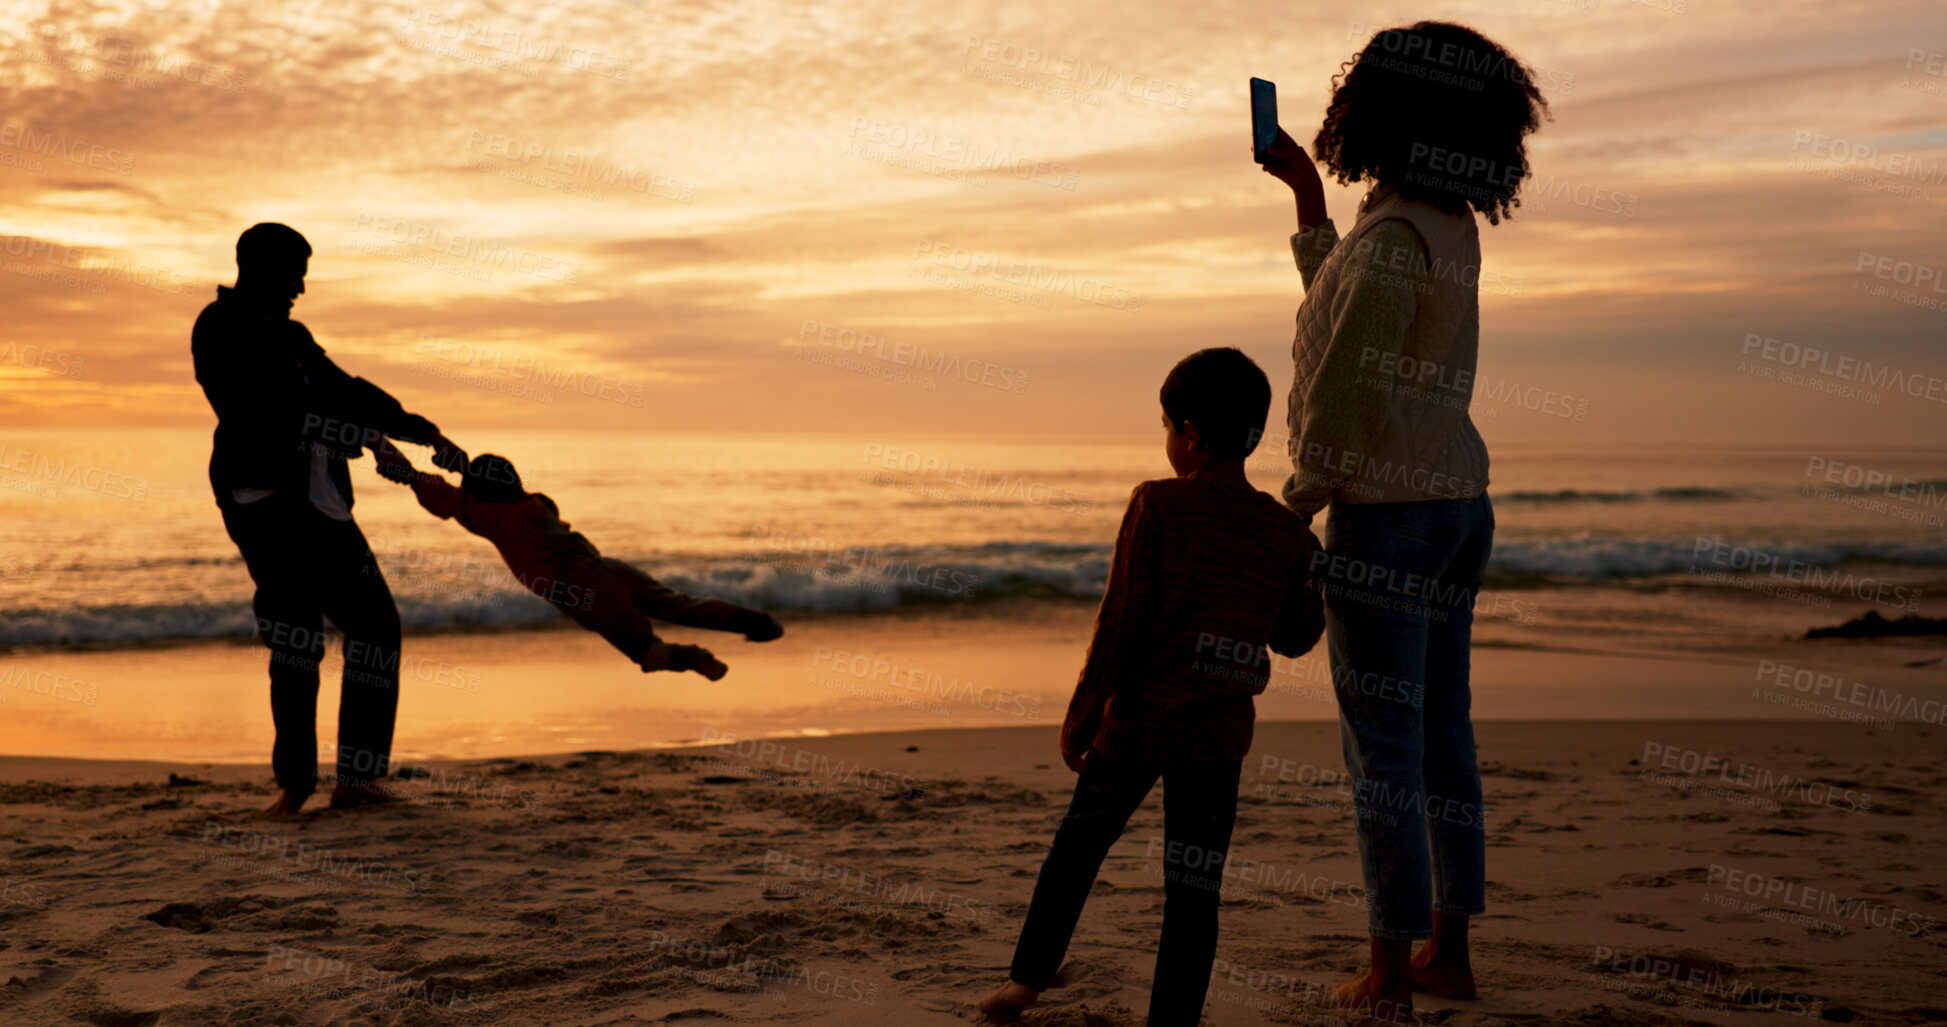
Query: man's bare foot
(286, 805)
(1008, 1000)
(365, 793)
(1436, 976)
(1366, 996)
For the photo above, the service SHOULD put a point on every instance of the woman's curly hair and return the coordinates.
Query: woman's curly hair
(1438, 112)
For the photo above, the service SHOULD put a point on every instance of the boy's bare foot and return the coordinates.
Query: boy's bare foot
(762, 627)
(1008, 1000)
(366, 793)
(1365, 996)
(285, 805)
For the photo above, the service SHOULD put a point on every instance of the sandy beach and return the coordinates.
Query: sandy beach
(1641, 872)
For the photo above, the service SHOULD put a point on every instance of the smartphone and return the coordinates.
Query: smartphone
(1264, 117)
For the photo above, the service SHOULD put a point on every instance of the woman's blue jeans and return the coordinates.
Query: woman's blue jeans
(1400, 584)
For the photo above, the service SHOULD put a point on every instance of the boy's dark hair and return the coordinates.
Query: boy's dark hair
(492, 479)
(269, 243)
(1436, 111)
(1225, 393)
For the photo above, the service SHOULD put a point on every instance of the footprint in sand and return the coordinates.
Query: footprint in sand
(202, 917)
(47, 978)
(113, 1017)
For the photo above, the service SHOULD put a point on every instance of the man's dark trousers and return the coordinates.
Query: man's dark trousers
(308, 567)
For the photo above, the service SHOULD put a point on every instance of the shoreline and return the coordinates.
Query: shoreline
(91, 770)
(502, 694)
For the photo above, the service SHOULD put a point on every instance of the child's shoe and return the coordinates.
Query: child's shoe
(759, 626)
(663, 656)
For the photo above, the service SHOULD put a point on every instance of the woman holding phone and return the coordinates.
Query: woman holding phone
(1435, 116)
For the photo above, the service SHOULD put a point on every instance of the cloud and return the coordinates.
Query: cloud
(666, 194)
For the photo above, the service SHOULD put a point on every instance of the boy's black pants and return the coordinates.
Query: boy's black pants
(1199, 809)
(308, 567)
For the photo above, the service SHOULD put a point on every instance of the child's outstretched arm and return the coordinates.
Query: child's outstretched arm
(392, 464)
(439, 498)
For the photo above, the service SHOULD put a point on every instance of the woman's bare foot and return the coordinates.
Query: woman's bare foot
(365, 793)
(1382, 991)
(1363, 995)
(285, 805)
(1008, 1000)
(1441, 967)
(1444, 981)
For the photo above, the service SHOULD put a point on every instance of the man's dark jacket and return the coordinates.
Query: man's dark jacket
(277, 397)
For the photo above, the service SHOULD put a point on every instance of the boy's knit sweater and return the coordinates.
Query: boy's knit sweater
(1202, 572)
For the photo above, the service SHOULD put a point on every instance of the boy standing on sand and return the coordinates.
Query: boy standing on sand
(1205, 566)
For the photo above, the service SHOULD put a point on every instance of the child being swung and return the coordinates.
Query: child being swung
(605, 595)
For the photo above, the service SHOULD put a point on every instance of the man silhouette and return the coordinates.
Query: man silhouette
(287, 420)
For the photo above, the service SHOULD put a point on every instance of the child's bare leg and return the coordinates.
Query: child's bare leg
(658, 600)
(610, 614)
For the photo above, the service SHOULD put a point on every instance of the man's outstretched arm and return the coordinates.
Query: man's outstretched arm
(349, 411)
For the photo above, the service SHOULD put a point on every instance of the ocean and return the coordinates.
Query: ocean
(112, 537)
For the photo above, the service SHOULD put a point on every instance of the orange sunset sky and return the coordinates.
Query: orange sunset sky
(690, 203)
